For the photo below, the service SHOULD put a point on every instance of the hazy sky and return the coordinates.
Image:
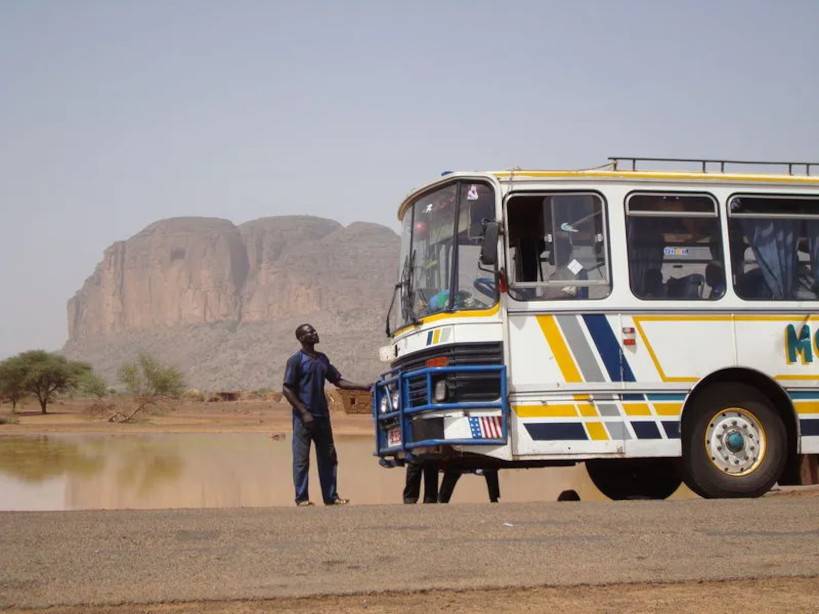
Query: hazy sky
(114, 114)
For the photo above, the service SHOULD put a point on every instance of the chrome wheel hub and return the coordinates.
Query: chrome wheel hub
(735, 441)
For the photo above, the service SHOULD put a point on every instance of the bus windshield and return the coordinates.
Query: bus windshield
(440, 243)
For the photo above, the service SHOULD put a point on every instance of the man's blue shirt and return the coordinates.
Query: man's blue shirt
(305, 375)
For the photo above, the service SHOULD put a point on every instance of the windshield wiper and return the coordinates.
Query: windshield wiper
(409, 293)
(404, 285)
(392, 304)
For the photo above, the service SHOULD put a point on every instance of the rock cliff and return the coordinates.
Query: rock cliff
(221, 301)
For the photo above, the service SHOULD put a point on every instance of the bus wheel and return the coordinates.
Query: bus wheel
(632, 478)
(734, 443)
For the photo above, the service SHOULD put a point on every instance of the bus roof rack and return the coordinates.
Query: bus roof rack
(616, 161)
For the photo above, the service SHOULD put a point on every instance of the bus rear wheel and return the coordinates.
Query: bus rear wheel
(734, 443)
(634, 478)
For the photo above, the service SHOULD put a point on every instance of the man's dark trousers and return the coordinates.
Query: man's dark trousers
(322, 435)
(412, 487)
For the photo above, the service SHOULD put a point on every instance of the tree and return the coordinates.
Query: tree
(12, 376)
(147, 377)
(92, 384)
(47, 375)
(148, 380)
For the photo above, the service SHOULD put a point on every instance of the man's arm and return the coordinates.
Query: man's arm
(334, 377)
(345, 385)
(293, 398)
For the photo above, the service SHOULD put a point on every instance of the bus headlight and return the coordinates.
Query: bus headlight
(440, 390)
(395, 398)
(384, 404)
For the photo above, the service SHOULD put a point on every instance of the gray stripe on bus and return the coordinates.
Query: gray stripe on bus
(580, 348)
(618, 430)
(607, 409)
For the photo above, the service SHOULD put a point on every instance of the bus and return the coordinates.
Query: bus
(659, 325)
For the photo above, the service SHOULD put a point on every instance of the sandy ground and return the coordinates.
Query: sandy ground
(765, 595)
(81, 416)
(798, 594)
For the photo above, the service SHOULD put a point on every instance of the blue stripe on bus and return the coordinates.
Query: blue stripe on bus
(804, 396)
(542, 431)
(664, 398)
(429, 337)
(614, 360)
(809, 428)
(633, 397)
(672, 429)
(646, 430)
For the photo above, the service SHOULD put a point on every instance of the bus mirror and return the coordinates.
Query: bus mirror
(489, 248)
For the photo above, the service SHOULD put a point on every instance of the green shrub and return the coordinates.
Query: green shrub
(147, 377)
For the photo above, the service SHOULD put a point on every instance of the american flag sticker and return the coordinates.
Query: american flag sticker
(486, 427)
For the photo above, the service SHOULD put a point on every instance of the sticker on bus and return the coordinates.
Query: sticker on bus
(394, 437)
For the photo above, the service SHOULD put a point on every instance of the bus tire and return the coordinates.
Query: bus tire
(734, 443)
(634, 478)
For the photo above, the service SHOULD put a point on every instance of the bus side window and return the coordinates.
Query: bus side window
(557, 247)
(775, 247)
(674, 247)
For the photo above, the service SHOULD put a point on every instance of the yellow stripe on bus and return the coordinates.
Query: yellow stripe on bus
(597, 431)
(559, 349)
(722, 178)
(668, 409)
(473, 313)
(588, 410)
(807, 407)
(636, 409)
(546, 411)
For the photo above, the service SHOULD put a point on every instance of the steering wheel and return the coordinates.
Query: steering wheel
(486, 286)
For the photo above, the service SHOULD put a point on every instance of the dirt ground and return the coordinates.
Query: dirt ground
(797, 594)
(91, 416)
(766, 595)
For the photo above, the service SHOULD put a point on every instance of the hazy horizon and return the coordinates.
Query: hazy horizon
(116, 115)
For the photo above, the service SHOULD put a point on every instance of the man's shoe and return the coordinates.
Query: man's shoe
(304, 503)
(338, 501)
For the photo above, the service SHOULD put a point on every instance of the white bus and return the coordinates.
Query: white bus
(660, 326)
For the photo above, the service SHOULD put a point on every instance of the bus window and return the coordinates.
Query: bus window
(774, 244)
(557, 247)
(674, 247)
(429, 258)
(475, 288)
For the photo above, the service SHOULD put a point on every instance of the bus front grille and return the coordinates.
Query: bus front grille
(461, 387)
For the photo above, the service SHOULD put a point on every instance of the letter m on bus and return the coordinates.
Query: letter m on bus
(798, 344)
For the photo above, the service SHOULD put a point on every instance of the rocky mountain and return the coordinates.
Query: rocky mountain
(221, 301)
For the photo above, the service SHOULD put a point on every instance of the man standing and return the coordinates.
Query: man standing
(304, 379)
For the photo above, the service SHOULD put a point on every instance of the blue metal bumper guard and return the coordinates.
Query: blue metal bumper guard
(405, 411)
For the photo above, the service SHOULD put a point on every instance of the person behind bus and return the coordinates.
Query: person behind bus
(453, 474)
(412, 485)
(304, 379)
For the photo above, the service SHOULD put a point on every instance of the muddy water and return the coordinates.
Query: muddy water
(148, 471)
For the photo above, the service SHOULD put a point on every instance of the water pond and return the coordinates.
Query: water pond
(153, 471)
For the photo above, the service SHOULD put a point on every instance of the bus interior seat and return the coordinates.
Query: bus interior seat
(690, 286)
(653, 284)
(715, 279)
(751, 285)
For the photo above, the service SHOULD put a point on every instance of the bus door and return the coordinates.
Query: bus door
(565, 361)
